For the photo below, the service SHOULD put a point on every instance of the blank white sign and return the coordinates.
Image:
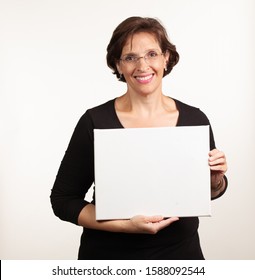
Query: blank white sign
(152, 171)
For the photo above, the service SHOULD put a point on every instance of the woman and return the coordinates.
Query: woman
(140, 54)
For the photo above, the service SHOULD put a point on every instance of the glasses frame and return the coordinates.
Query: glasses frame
(146, 58)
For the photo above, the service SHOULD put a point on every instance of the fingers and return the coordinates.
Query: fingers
(166, 222)
(217, 161)
(215, 154)
(154, 219)
(151, 224)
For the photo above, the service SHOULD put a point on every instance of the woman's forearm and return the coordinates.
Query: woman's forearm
(87, 219)
(137, 224)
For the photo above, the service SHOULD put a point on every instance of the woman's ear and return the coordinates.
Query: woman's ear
(167, 56)
(119, 68)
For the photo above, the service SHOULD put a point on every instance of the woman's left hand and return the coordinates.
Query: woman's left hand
(218, 166)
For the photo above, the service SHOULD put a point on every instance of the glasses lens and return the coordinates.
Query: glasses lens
(130, 59)
(152, 55)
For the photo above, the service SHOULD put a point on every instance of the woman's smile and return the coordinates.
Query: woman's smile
(144, 79)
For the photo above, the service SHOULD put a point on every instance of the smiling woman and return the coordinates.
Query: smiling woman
(142, 65)
(140, 54)
(134, 25)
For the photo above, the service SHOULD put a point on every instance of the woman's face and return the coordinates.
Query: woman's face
(143, 75)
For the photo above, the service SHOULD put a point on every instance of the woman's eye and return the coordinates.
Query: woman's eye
(152, 54)
(130, 58)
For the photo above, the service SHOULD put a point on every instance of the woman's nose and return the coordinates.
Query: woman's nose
(142, 64)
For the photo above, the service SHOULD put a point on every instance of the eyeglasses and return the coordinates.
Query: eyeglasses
(149, 57)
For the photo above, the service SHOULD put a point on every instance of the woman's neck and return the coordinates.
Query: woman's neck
(143, 105)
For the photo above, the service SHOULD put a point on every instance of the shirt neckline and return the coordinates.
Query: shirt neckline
(120, 124)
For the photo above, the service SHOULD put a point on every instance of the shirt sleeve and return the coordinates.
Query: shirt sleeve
(204, 121)
(76, 173)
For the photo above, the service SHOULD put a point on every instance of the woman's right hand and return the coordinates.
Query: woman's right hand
(137, 224)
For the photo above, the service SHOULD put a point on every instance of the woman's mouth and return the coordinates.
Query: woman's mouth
(144, 79)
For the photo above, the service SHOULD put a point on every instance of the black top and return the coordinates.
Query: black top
(76, 175)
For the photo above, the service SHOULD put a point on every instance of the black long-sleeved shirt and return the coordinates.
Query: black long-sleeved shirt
(76, 175)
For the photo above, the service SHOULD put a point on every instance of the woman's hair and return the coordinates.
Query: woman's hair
(127, 29)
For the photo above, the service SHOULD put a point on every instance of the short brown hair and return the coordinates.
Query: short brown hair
(131, 26)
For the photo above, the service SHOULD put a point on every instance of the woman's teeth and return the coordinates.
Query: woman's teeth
(144, 78)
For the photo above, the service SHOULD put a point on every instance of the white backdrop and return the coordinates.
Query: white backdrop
(52, 68)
